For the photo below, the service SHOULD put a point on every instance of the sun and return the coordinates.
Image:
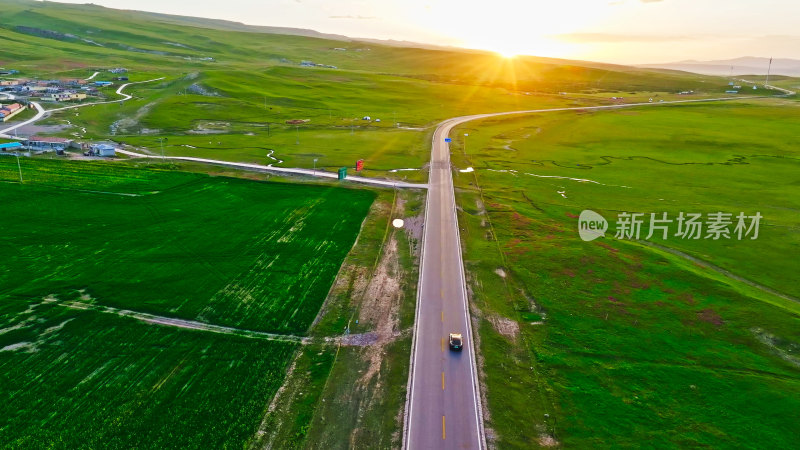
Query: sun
(507, 54)
(511, 28)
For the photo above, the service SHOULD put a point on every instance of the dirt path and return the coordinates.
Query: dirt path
(721, 271)
(187, 324)
(350, 340)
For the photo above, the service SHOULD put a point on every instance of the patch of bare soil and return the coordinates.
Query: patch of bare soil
(283, 400)
(710, 316)
(414, 227)
(786, 349)
(381, 306)
(507, 327)
(357, 340)
(129, 124)
(379, 309)
(545, 440)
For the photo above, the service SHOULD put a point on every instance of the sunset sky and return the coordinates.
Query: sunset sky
(620, 31)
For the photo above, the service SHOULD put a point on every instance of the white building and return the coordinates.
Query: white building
(103, 150)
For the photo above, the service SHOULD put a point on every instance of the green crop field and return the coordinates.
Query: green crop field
(276, 247)
(614, 342)
(98, 275)
(84, 379)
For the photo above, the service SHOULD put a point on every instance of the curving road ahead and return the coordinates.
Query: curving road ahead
(443, 408)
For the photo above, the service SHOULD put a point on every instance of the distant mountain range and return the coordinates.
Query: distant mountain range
(747, 65)
(228, 25)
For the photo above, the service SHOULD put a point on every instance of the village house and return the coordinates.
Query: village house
(47, 144)
(9, 111)
(64, 97)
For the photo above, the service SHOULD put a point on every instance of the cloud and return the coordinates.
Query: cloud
(585, 38)
(353, 17)
(622, 2)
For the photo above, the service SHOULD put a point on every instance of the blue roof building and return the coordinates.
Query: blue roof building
(10, 146)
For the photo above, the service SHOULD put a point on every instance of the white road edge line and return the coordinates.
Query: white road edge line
(413, 363)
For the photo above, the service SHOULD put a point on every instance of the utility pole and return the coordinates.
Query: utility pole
(19, 167)
(315, 166)
(297, 128)
(162, 146)
(766, 83)
(268, 135)
(465, 143)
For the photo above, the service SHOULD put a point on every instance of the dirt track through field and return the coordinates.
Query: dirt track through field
(188, 324)
(352, 340)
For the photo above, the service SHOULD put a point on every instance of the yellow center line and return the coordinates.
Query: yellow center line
(442, 380)
(444, 428)
(441, 293)
(442, 316)
(442, 345)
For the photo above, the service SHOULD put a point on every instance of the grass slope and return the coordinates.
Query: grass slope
(235, 104)
(612, 343)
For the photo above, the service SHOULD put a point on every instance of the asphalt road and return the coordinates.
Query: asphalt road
(444, 410)
(444, 406)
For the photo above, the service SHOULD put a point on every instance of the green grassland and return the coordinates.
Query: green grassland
(613, 342)
(146, 39)
(108, 240)
(235, 106)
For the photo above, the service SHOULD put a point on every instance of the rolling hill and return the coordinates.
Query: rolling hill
(48, 37)
(747, 65)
